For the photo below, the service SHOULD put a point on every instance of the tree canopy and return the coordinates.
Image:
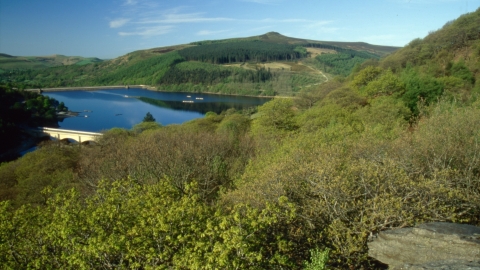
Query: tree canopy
(148, 118)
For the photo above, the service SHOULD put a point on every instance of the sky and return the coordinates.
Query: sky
(111, 28)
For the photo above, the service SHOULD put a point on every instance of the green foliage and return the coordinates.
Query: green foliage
(360, 52)
(258, 51)
(125, 224)
(207, 124)
(115, 72)
(210, 114)
(423, 89)
(301, 50)
(385, 84)
(321, 117)
(446, 141)
(147, 71)
(204, 195)
(274, 37)
(346, 98)
(365, 76)
(318, 259)
(61, 107)
(145, 125)
(208, 74)
(20, 108)
(301, 183)
(183, 153)
(235, 125)
(308, 97)
(114, 134)
(456, 89)
(347, 186)
(9, 62)
(274, 118)
(456, 40)
(50, 166)
(339, 63)
(148, 118)
(196, 68)
(460, 71)
(385, 116)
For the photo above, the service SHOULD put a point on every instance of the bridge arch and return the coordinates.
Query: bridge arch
(71, 135)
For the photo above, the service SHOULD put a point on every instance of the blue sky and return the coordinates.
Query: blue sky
(111, 28)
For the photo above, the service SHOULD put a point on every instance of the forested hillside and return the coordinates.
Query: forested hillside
(302, 182)
(10, 62)
(207, 67)
(20, 110)
(258, 51)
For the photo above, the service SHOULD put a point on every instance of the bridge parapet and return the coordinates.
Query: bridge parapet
(79, 136)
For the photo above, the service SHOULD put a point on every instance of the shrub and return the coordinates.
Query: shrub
(318, 259)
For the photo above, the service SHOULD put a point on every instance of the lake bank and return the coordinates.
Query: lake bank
(140, 86)
(92, 88)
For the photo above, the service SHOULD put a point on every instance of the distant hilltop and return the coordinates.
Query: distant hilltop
(276, 37)
(9, 62)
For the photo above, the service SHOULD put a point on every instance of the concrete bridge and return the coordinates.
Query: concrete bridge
(60, 134)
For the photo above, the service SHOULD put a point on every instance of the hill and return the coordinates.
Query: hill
(9, 62)
(275, 37)
(269, 64)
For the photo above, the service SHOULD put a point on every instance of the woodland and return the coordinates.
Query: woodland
(298, 183)
(21, 109)
(234, 66)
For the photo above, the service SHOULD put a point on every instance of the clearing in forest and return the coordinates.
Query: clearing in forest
(275, 66)
(317, 51)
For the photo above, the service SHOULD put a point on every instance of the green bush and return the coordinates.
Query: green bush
(318, 259)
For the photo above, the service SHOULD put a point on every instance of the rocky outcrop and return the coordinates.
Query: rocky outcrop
(435, 245)
(441, 265)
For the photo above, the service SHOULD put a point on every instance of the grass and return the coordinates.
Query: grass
(275, 66)
(317, 51)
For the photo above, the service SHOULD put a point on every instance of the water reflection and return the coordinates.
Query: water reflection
(195, 106)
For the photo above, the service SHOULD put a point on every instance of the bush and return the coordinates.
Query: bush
(318, 259)
(129, 225)
(275, 118)
(348, 185)
(51, 166)
(145, 125)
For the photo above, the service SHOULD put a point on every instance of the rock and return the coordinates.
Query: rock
(441, 265)
(436, 245)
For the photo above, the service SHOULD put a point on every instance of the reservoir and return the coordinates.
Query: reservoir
(105, 109)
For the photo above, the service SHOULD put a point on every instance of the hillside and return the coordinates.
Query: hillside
(300, 183)
(9, 62)
(275, 37)
(269, 64)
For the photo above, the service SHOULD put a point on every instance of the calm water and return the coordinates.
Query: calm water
(106, 109)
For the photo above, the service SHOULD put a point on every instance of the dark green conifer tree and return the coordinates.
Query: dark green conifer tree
(148, 118)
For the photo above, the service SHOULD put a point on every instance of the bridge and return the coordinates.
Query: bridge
(61, 134)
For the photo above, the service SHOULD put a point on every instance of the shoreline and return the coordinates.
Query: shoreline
(91, 88)
(141, 86)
